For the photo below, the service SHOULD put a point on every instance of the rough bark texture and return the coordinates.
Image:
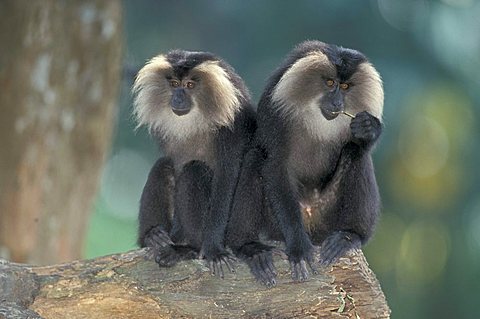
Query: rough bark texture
(130, 286)
(59, 76)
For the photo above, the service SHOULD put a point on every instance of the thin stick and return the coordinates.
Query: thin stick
(348, 114)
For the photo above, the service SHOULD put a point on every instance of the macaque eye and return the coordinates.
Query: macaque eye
(190, 84)
(174, 83)
(344, 86)
(330, 82)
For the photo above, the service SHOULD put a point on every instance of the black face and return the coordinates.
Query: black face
(181, 101)
(181, 84)
(346, 62)
(332, 102)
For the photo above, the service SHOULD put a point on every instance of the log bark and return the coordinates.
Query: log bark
(60, 66)
(130, 285)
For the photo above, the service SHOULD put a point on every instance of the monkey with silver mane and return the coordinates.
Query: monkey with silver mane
(199, 111)
(311, 174)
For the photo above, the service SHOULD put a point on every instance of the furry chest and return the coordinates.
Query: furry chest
(314, 146)
(311, 160)
(199, 148)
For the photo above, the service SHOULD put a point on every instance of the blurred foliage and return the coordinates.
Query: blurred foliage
(426, 251)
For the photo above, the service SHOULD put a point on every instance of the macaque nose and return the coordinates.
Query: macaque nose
(180, 102)
(179, 98)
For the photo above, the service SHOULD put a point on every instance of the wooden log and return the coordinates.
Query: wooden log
(131, 285)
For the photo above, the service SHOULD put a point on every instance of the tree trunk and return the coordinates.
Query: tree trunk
(129, 286)
(59, 76)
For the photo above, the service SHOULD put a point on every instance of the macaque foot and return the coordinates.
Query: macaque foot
(299, 269)
(157, 237)
(337, 245)
(169, 256)
(300, 255)
(216, 265)
(259, 259)
(217, 259)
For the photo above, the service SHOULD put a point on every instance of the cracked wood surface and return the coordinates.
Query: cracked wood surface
(130, 285)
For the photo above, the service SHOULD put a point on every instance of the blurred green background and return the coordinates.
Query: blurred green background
(426, 251)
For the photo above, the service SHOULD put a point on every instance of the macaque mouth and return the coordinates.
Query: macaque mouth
(181, 112)
(329, 115)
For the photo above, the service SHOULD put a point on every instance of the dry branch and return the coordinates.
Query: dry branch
(130, 285)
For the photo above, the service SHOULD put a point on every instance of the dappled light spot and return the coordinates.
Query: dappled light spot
(424, 250)
(402, 15)
(433, 194)
(429, 167)
(423, 145)
(383, 248)
(452, 109)
(454, 38)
